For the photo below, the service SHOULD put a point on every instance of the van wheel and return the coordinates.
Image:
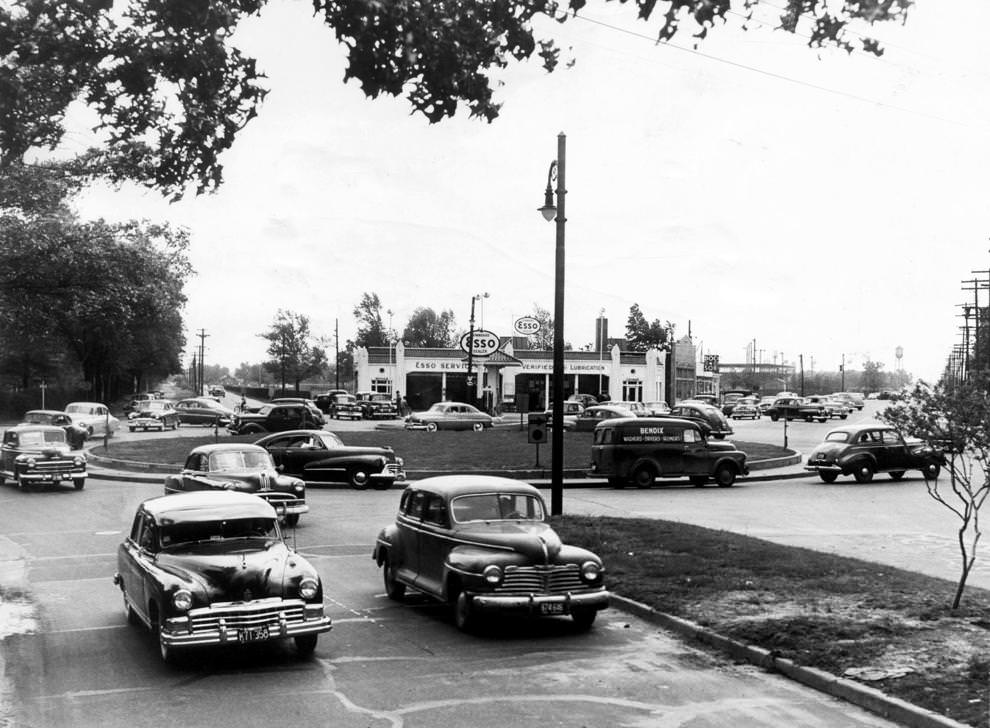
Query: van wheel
(644, 477)
(725, 476)
(617, 482)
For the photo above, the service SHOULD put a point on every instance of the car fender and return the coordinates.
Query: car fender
(727, 460)
(375, 462)
(385, 541)
(645, 460)
(851, 462)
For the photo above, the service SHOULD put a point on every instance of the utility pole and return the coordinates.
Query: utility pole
(842, 371)
(336, 346)
(202, 352)
(801, 360)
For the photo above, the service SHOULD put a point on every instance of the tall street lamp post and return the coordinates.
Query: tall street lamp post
(471, 388)
(551, 212)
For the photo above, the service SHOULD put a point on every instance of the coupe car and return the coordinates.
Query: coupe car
(203, 411)
(864, 450)
(40, 455)
(484, 545)
(713, 422)
(587, 420)
(211, 568)
(450, 416)
(95, 417)
(242, 467)
(318, 456)
(155, 414)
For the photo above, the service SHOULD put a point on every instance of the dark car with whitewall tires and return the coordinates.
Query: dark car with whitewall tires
(643, 450)
(40, 455)
(864, 450)
(318, 457)
(450, 416)
(155, 414)
(377, 406)
(241, 467)
(211, 569)
(587, 421)
(484, 545)
(713, 422)
(203, 411)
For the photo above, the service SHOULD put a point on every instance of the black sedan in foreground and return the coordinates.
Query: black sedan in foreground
(318, 456)
(211, 568)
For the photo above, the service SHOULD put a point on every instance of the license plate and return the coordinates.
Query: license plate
(253, 634)
(553, 608)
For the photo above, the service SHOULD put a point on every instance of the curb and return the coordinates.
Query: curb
(863, 696)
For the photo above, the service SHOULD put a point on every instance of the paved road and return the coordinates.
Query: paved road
(76, 663)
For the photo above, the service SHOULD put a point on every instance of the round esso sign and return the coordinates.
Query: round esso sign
(485, 343)
(527, 325)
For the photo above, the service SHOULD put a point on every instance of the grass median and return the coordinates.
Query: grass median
(888, 628)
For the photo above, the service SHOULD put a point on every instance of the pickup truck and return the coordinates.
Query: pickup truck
(796, 408)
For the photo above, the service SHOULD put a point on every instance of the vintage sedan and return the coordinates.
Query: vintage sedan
(377, 406)
(318, 456)
(155, 414)
(745, 409)
(345, 407)
(40, 455)
(203, 411)
(211, 568)
(713, 422)
(484, 545)
(833, 407)
(587, 420)
(95, 417)
(75, 434)
(450, 416)
(863, 450)
(658, 407)
(309, 404)
(242, 467)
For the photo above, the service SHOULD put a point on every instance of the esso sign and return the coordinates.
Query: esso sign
(485, 343)
(527, 326)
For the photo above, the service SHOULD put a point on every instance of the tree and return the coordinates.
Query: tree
(542, 339)
(171, 91)
(872, 379)
(428, 329)
(642, 335)
(955, 419)
(294, 356)
(371, 330)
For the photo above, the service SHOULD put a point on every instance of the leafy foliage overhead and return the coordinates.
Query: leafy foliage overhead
(172, 91)
(428, 329)
(643, 335)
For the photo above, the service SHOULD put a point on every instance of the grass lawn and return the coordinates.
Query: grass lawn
(889, 628)
(501, 448)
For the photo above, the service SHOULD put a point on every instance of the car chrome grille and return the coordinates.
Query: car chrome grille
(522, 580)
(237, 615)
(51, 466)
(280, 499)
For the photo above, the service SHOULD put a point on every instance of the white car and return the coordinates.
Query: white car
(95, 417)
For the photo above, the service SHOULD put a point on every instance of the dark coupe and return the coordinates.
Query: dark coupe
(244, 467)
(211, 568)
(863, 450)
(318, 456)
(484, 545)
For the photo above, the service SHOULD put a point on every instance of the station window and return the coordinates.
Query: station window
(632, 390)
(383, 386)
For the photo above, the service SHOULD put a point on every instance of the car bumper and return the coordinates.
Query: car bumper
(540, 605)
(177, 632)
(823, 467)
(51, 477)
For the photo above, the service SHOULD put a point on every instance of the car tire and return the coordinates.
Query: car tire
(823, 419)
(132, 429)
(896, 474)
(306, 644)
(78, 483)
(774, 418)
(129, 613)
(2, 480)
(617, 483)
(644, 477)
(863, 473)
(478, 426)
(827, 476)
(842, 417)
(358, 477)
(431, 426)
(725, 476)
(464, 615)
(394, 589)
(291, 519)
(583, 617)
(698, 480)
(931, 471)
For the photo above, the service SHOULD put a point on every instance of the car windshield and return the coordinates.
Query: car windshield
(186, 533)
(78, 409)
(837, 436)
(38, 418)
(329, 440)
(240, 460)
(497, 507)
(47, 437)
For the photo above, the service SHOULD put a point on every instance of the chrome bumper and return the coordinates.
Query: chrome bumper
(533, 604)
(175, 632)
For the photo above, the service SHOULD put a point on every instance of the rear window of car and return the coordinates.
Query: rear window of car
(837, 437)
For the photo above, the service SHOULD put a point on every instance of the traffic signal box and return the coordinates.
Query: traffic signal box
(537, 427)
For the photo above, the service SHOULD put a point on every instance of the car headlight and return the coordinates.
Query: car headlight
(31, 462)
(182, 600)
(493, 574)
(400, 462)
(308, 588)
(78, 461)
(299, 487)
(591, 571)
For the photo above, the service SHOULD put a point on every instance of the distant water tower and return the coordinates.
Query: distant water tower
(899, 354)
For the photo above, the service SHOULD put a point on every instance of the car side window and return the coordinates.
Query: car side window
(136, 527)
(416, 504)
(436, 511)
(691, 436)
(892, 437)
(148, 538)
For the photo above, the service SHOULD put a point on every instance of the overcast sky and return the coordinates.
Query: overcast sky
(820, 203)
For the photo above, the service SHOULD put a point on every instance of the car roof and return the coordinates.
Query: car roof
(293, 433)
(853, 429)
(44, 412)
(456, 485)
(607, 407)
(30, 427)
(651, 422)
(208, 505)
(86, 404)
(226, 447)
